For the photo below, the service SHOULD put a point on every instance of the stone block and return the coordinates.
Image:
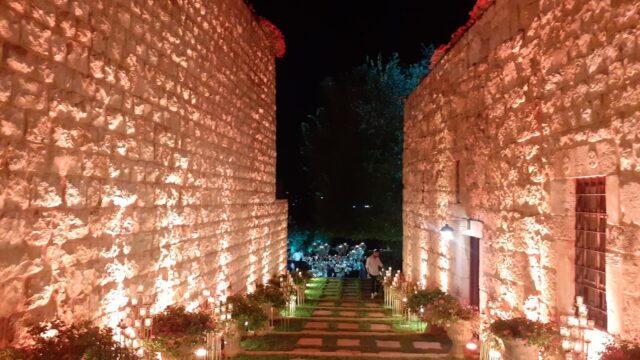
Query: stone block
(388, 344)
(348, 342)
(9, 25)
(380, 327)
(310, 342)
(348, 326)
(46, 191)
(316, 325)
(35, 37)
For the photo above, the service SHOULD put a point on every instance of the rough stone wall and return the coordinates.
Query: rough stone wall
(536, 94)
(137, 149)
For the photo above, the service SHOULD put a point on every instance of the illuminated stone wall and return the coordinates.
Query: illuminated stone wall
(137, 148)
(536, 94)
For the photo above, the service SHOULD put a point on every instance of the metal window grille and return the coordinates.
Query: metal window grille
(591, 239)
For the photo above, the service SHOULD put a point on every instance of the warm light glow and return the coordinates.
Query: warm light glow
(48, 334)
(471, 346)
(119, 268)
(443, 264)
(598, 342)
(446, 233)
(201, 352)
(494, 355)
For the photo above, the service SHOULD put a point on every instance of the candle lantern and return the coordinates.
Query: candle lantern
(573, 330)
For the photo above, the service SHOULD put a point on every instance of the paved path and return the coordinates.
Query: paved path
(340, 321)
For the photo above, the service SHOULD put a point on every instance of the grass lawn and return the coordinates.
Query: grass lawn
(278, 342)
(408, 326)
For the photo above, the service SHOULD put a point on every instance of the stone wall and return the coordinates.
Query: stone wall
(137, 151)
(536, 94)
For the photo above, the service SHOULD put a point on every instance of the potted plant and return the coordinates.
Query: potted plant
(177, 332)
(247, 312)
(301, 278)
(271, 294)
(60, 341)
(621, 350)
(459, 321)
(524, 339)
(418, 301)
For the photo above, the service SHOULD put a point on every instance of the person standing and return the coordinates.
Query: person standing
(373, 265)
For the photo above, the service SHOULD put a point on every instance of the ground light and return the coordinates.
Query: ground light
(201, 352)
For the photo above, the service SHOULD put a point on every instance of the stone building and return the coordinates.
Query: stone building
(525, 140)
(137, 153)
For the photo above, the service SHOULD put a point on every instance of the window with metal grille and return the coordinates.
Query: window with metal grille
(591, 239)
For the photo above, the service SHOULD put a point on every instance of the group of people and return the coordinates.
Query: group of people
(339, 262)
(343, 261)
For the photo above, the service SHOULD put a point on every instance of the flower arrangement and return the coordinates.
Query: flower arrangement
(58, 340)
(247, 311)
(621, 350)
(533, 333)
(447, 310)
(176, 332)
(420, 298)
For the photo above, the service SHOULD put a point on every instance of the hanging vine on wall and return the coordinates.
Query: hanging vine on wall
(474, 15)
(273, 33)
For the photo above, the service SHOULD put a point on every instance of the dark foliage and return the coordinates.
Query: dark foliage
(353, 149)
(70, 342)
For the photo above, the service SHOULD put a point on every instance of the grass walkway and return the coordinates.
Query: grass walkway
(340, 321)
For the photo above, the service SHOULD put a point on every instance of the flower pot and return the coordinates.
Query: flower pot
(517, 349)
(434, 330)
(232, 341)
(267, 309)
(460, 333)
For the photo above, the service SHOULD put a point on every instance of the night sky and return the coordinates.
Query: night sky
(330, 37)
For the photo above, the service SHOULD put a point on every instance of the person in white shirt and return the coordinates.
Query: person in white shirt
(373, 265)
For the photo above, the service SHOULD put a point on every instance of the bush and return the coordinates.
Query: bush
(543, 335)
(271, 295)
(301, 277)
(621, 350)
(60, 341)
(177, 332)
(422, 298)
(246, 310)
(447, 310)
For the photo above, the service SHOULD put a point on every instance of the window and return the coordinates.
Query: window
(591, 239)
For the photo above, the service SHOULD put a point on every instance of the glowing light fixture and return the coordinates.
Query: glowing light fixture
(472, 346)
(201, 352)
(446, 232)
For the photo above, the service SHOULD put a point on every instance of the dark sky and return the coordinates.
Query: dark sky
(330, 37)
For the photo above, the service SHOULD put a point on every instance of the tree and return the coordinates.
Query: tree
(353, 149)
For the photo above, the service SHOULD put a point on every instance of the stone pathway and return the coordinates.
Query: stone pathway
(340, 321)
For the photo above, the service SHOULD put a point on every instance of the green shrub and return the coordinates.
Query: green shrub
(177, 332)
